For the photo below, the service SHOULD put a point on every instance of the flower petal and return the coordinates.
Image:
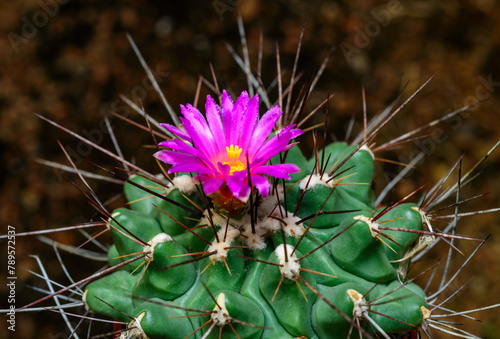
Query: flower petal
(171, 157)
(275, 145)
(211, 185)
(281, 171)
(262, 184)
(264, 127)
(215, 123)
(237, 115)
(236, 184)
(179, 145)
(248, 121)
(196, 126)
(190, 168)
(186, 160)
(224, 169)
(181, 134)
(226, 114)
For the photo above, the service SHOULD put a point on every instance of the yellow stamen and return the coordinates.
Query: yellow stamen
(233, 152)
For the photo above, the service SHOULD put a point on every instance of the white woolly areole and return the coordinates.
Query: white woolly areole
(246, 219)
(254, 240)
(288, 268)
(270, 224)
(184, 183)
(150, 247)
(268, 204)
(84, 299)
(315, 180)
(135, 330)
(221, 315)
(366, 148)
(113, 216)
(360, 304)
(373, 225)
(292, 227)
(220, 246)
(425, 218)
(216, 219)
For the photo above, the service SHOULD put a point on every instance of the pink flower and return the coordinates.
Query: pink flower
(220, 147)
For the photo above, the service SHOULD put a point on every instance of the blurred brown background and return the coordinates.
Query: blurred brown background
(70, 60)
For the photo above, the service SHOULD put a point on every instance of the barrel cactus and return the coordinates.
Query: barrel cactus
(256, 241)
(241, 235)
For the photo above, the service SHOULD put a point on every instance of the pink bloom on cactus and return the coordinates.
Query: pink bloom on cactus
(231, 138)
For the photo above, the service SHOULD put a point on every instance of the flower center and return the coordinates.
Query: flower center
(233, 152)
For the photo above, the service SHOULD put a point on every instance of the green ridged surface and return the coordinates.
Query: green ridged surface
(352, 259)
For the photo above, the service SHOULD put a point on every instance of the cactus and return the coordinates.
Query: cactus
(267, 258)
(245, 237)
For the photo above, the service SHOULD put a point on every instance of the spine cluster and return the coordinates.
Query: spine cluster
(314, 259)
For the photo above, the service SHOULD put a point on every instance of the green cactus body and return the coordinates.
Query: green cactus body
(101, 298)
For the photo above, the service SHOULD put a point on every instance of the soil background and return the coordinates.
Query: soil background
(70, 60)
